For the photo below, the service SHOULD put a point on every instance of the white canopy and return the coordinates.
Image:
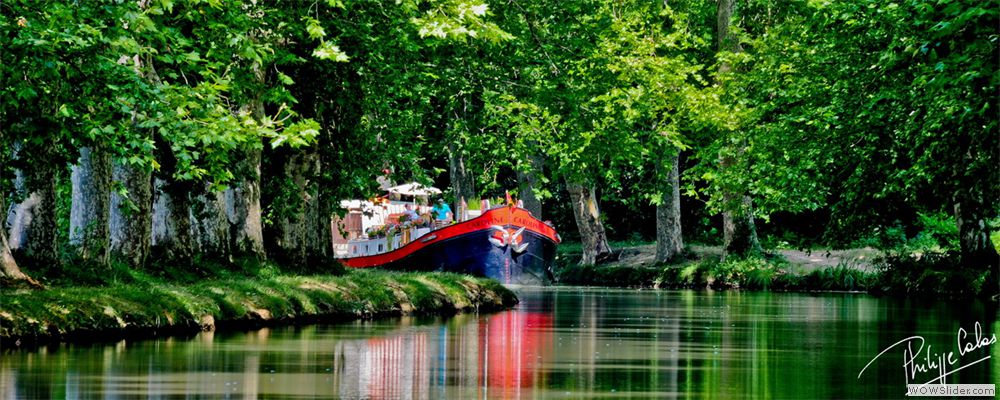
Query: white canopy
(356, 204)
(414, 189)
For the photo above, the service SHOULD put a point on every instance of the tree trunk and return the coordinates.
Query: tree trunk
(33, 230)
(243, 210)
(20, 214)
(462, 181)
(131, 215)
(669, 241)
(88, 221)
(21, 193)
(210, 223)
(588, 221)
(171, 222)
(131, 220)
(739, 230)
(528, 180)
(19, 221)
(303, 234)
(726, 42)
(977, 249)
(10, 274)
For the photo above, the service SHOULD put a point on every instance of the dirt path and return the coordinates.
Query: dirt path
(855, 258)
(800, 260)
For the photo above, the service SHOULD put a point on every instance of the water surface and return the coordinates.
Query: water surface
(559, 343)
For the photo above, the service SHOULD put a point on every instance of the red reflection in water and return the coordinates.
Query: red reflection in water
(395, 367)
(505, 349)
(512, 345)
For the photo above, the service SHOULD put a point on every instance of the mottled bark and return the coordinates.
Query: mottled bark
(19, 221)
(131, 221)
(527, 182)
(243, 204)
(21, 194)
(88, 220)
(739, 230)
(588, 221)
(669, 241)
(303, 233)
(33, 224)
(10, 273)
(976, 247)
(172, 241)
(131, 213)
(462, 180)
(210, 223)
(243, 209)
(726, 42)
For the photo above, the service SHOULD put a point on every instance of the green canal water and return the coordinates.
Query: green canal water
(559, 343)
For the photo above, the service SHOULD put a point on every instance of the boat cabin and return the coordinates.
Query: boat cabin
(377, 227)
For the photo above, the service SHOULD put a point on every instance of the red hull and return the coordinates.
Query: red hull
(491, 245)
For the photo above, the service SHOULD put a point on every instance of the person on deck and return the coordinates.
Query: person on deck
(411, 215)
(442, 212)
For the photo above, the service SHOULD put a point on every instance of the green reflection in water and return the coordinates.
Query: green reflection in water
(559, 343)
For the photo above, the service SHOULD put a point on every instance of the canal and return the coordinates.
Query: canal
(559, 342)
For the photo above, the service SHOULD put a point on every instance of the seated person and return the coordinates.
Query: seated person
(410, 214)
(442, 212)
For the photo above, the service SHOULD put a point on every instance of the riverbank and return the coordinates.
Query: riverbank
(155, 308)
(752, 274)
(858, 270)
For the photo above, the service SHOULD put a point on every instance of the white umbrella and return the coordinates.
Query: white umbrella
(414, 189)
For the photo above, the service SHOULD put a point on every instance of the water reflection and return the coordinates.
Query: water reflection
(559, 343)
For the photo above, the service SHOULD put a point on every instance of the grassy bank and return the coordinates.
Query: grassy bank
(151, 306)
(860, 270)
(754, 274)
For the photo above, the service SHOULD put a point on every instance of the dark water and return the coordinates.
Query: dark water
(559, 343)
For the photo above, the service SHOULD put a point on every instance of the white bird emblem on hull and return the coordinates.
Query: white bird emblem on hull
(503, 237)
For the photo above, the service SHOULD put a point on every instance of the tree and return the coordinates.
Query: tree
(10, 273)
(540, 88)
(36, 227)
(192, 92)
(72, 88)
(530, 176)
(215, 108)
(130, 222)
(88, 221)
(607, 93)
(669, 237)
(33, 229)
(739, 230)
(875, 112)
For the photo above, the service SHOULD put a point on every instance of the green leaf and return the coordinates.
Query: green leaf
(329, 51)
(313, 29)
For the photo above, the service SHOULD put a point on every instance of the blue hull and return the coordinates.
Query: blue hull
(473, 254)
